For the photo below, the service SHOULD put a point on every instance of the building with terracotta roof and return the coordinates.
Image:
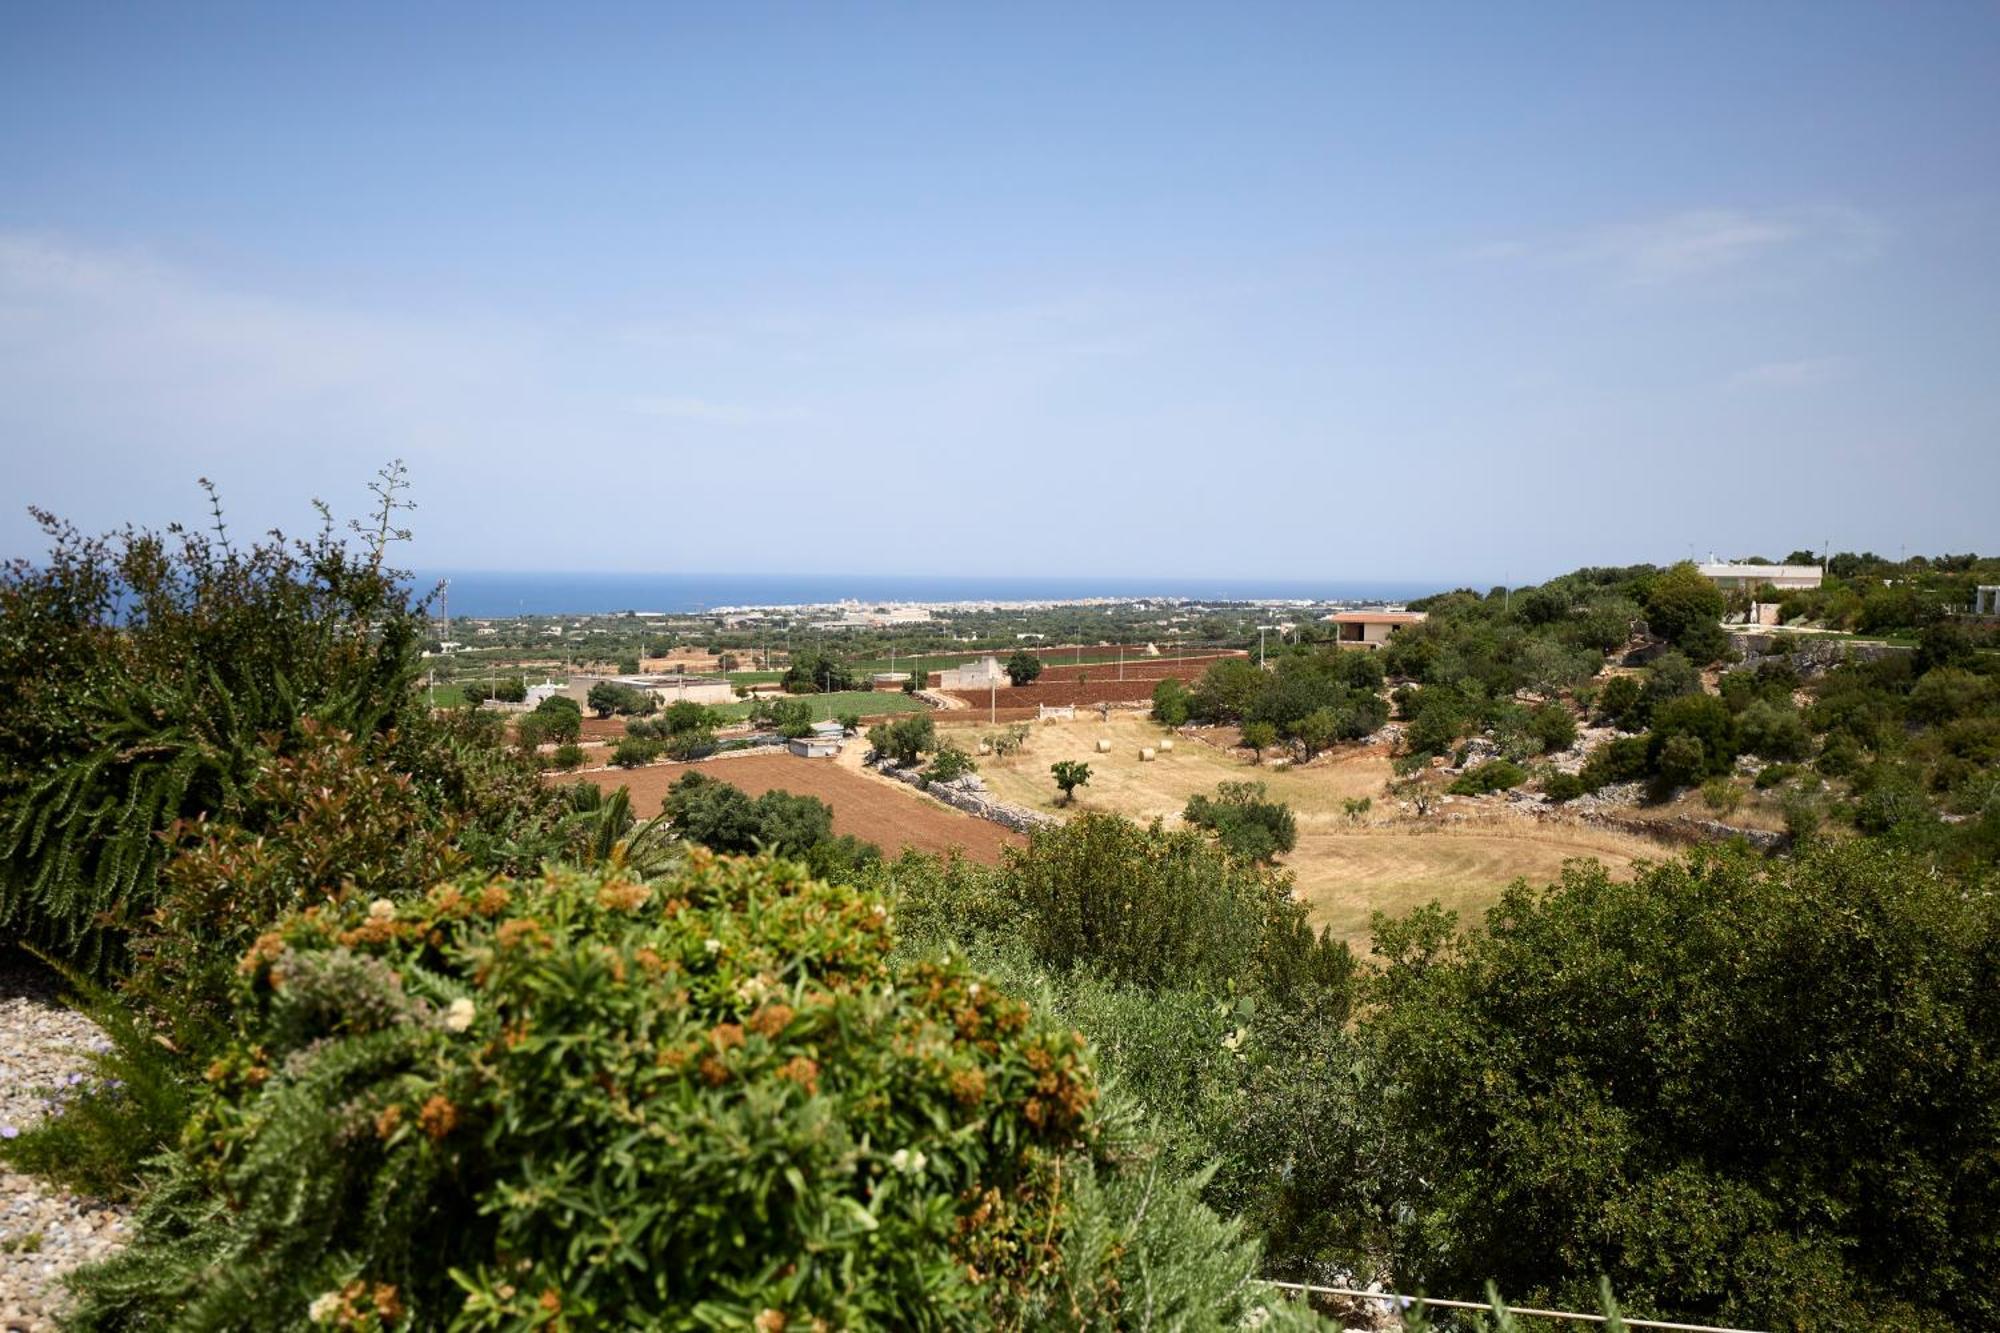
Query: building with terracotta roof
(1372, 628)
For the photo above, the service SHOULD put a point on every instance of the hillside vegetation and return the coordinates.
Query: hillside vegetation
(406, 1037)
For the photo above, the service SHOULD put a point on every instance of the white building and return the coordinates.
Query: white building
(983, 674)
(1371, 628)
(815, 746)
(1748, 578)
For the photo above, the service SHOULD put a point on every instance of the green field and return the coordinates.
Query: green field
(867, 703)
(1049, 656)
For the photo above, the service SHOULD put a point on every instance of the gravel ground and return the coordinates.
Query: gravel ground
(43, 1234)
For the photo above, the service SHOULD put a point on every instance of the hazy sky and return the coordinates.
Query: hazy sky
(1480, 292)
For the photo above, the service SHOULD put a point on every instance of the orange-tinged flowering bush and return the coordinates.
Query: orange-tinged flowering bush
(581, 1099)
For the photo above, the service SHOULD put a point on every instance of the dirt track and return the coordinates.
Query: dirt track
(887, 814)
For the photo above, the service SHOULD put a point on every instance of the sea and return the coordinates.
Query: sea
(489, 593)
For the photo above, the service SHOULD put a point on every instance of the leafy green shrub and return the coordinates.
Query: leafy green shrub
(685, 746)
(1246, 824)
(1681, 759)
(142, 678)
(1142, 905)
(1170, 702)
(1622, 759)
(1685, 609)
(1775, 775)
(1069, 775)
(1946, 693)
(704, 1100)
(1895, 805)
(1553, 728)
(1438, 719)
(1561, 787)
(1494, 775)
(791, 718)
(686, 715)
(1804, 815)
(1840, 756)
(1629, 1038)
(1721, 795)
(1618, 704)
(1259, 737)
(633, 752)
(608, 696)
(850, 722)
(530, 730)
(1773, 731)
(724, 818)
(561, 719)
(905, 740)
(331, 823)
(1698, 717)
(1671, 676)
(817, 673)
(1023, 667)
(1356, 715)
(949, 762)
(568, 757)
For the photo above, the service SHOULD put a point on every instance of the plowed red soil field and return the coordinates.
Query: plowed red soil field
(1054, 669)
(887, 814)
(1099, 683)
(1060, 692)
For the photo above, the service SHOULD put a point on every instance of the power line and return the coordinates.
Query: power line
(1405, 1302)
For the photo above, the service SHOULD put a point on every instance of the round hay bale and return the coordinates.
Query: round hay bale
(986, 747)
(1166, 747)
(1146, 755)
(1104, 747)
(1280, 765)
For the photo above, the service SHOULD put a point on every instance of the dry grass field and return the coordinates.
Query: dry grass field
(1349, 874)
(1345, 870)
(1119, 782)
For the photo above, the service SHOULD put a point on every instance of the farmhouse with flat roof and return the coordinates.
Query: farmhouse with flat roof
(1371, 629)
(983, 674)
(1748, 578)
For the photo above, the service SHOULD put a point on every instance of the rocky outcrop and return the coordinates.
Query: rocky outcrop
(1810, 655)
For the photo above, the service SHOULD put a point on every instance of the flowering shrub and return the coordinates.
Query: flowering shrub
(705, 1100)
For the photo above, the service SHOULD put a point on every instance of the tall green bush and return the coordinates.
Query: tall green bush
(1750, 1092)
(1250, 827)
(144, 677)
(1142, 905)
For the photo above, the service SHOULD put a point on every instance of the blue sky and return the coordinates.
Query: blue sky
(1460, 292)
